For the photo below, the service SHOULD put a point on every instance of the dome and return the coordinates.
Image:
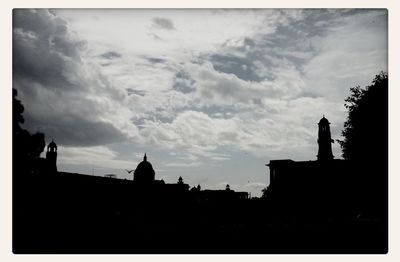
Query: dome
(144, 171)
(144, 167)
(323, 121)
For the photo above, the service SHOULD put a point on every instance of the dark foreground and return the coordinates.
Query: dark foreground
(74, 214)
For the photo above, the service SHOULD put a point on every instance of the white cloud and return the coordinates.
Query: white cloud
(351, 55)
(99, 156)
(183, 164)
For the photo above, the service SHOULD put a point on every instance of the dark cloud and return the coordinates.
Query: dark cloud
(239, 66)
(183, 82)
(132, 91)
(155, 37)
(111, 55)
(313, 22)
(163, 23)
(224, 89)
(42, 50)
(71, 130)
(293, 43)
(54, 83)
(155, 60)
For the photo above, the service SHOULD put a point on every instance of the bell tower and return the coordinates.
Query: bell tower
(51, 157)
(324, 140)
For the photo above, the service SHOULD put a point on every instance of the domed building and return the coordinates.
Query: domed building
(144, 172)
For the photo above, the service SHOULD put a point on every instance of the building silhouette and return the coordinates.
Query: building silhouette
(324, 186)
(144, 182)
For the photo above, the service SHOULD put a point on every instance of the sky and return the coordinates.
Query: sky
(211, 95)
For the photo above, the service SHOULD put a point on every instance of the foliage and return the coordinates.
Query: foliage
(366, 128)
(26, 147)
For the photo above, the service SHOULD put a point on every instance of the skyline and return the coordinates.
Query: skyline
(210, 95)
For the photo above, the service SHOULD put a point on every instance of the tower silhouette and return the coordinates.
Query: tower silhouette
(51, 157)
(324, 140)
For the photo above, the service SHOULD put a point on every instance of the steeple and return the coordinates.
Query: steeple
(145, 158)
(324, 140)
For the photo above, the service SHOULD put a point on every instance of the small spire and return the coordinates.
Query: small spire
(145, 157)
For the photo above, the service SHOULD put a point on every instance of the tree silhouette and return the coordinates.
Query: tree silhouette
(26, 147)
(18, 109)
(265, 192)
(366, 128)
(365, 144)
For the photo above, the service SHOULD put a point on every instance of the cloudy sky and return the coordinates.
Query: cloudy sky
(210, 95)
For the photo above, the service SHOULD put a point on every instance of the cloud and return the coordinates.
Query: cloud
(350, 55)
(99, 156)
(305, 42)
(111, 55)
(212, 86)
(183, 82)
(156, 60)
(163, 23)
(240, 66)
(183, 164)
(217, 88)
(253, 187)
(201, 135)
(65, 95)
